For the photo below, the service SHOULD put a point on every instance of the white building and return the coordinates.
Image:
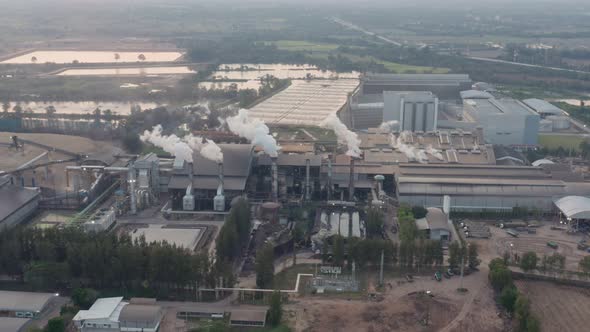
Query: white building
(113, 314)
(414, 110)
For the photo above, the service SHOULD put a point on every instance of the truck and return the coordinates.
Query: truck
(512, 233)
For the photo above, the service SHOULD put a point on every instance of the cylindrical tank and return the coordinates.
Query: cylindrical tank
(559, 122)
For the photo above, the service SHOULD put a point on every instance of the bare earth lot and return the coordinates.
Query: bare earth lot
(560, 308)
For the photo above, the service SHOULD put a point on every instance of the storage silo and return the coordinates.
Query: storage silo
(559, 122)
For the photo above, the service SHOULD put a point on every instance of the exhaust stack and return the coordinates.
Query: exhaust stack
(275, 180)
(351, 181)
(329, 177)
(219, 199)
(188, 201)
(131, 179)
(307, 184)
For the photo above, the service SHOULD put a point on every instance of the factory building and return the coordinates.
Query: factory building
(435, 225)
(195, 186)
(484, 187)
(23, 304)
(504, 121)
(17, 203)
(113, 315)
(414, 111)
(446, 86)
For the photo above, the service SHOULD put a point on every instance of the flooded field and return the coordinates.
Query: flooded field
(84, 107)
(132, 71)
(248, 75)
(252, 84)
(92, 57)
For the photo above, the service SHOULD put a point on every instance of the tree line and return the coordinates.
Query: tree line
(59, 259)
(514, 302)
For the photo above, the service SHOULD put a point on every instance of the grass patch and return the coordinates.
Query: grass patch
(287, 278)
(305, 46)
(554, 141)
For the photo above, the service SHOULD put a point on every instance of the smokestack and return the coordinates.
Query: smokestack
(275, 179)
(329, 177)
(351, 180)
(131, 179)
(307, 185)
(220, 168)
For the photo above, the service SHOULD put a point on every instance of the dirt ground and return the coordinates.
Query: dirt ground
(560, 308)
(567, 244)
(55, 177)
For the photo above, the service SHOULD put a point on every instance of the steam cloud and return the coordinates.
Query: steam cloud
(389, 126)
(435, 153)
(183, 148)
(344, 135)
(409, 151)
(254, 130)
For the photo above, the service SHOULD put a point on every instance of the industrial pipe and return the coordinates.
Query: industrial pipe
(307, 185)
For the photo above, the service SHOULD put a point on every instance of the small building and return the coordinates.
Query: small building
(140, 318)
(113, 314)
(12, 324)
(435, 225)
(256, 318)
(102, 316)
(23, 304)
(16, 203)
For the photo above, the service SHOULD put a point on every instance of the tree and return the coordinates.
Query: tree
(117, 56)
(455, 254)
(472, 255)
(50, 110)
(34, 59)
(84, 297)
(5, 106)
(141, 57)
(419, 212)
(585, 264)
(55, 324)
(132, 143)
(275, 312)
(522, 310)
(18, 110)
(500, 277)
(374, 222)
(338, 250)
(555, 262)
(533, 324)
(265, 266)
(508, 297)
(528, 262)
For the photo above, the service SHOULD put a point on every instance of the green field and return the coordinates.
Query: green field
(554, 141)
(301, 45)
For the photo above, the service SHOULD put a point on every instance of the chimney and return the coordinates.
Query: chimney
(307, 185)
(220, 169)
(190, 172)
(329, 177)
(351, 180)
(131, 179)
(275, 179)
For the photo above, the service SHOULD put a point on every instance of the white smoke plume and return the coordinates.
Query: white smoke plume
(435, 153)
(389, 126)
(206, 148)
(409, 151)
(183, 148)
(169, 143)
(254, 130)
(344, 135)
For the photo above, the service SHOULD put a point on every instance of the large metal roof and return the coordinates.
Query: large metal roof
(292, 160)
(102, 309)
(417, 79)
(236, 161)
(575, 207)
(13, 198)
(12, 324)
(543, 107)
(133, 314)
(23, 301)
